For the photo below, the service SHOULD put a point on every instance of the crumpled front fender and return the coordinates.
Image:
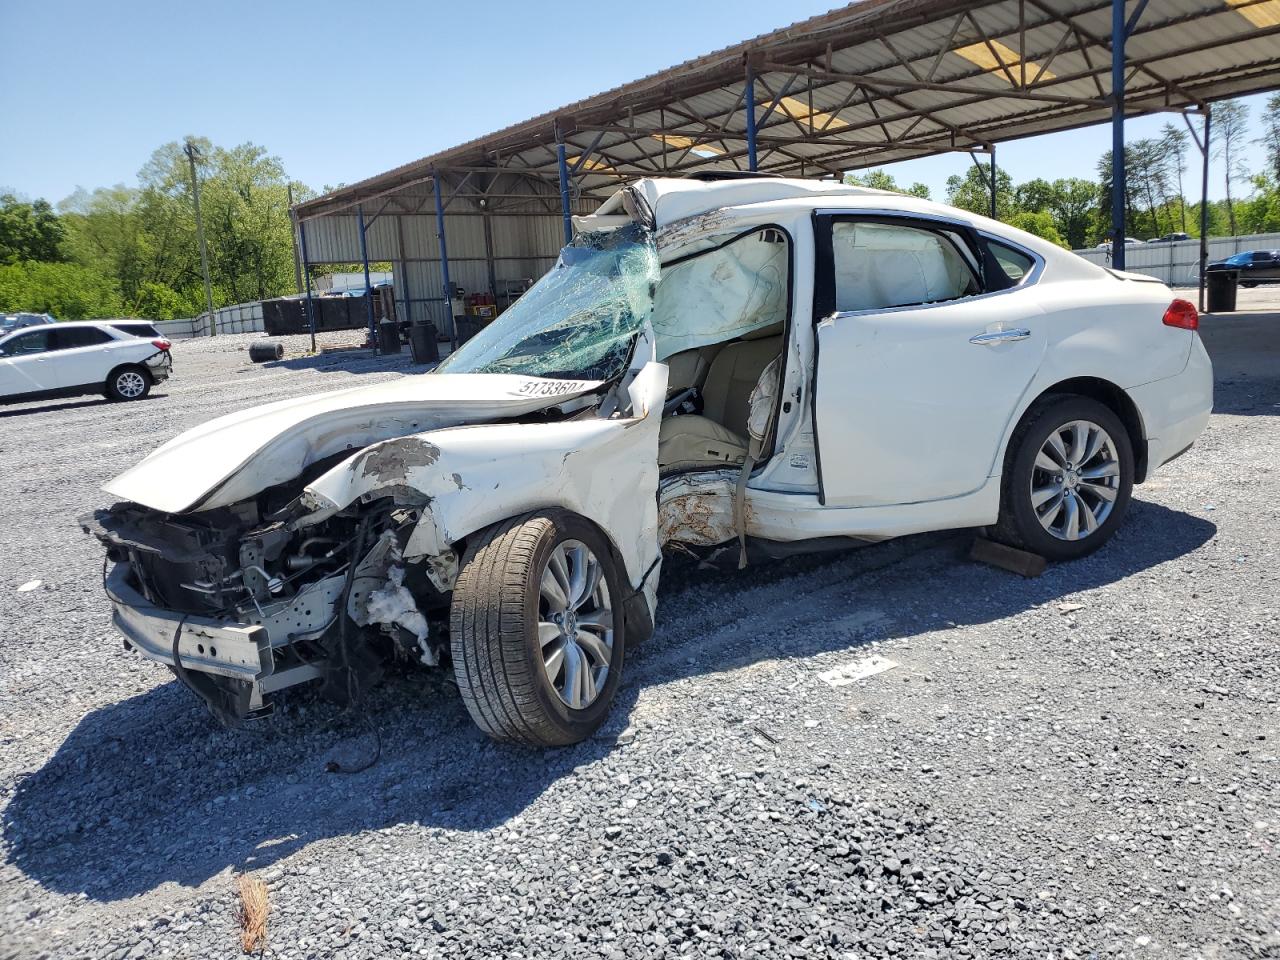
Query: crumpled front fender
(468, 478)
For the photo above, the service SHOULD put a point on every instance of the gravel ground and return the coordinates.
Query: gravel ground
(1080, 765)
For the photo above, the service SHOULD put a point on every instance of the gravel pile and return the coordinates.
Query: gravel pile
(1080, 765)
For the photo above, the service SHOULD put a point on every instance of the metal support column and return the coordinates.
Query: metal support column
(486, 220)
(750, 106)
(1204, 202)
(306, 273)
(1117, 134)
(444, 263)
(993, 183)
(400, 280)
(566, 210)
(368, 286)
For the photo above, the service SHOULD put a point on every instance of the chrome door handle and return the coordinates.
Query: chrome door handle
(1001, 336)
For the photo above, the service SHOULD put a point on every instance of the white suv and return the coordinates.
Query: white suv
(66, 359)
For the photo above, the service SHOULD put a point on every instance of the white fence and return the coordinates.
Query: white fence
(1178, 264)
(238, 318)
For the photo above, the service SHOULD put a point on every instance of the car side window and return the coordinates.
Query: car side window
(1015, 264)
(878, 265)
(137, 329)
(79, 337)
(37, 341)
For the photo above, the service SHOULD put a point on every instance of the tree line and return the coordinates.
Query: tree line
(1159, 171)
(132, 250)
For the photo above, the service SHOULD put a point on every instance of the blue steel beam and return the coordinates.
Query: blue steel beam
(750, 104)
(566, 210)
(1118, 29)
(368, 287)
(444, 263)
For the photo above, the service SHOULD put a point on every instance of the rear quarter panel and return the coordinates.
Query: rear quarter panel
(1106, 328)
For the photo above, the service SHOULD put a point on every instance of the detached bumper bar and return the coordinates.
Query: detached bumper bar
(245, 652)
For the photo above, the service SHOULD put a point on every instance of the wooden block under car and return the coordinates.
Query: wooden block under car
(1007, 558)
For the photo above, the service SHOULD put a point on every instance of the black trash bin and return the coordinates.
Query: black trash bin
(388, 337)
(1220, 287)
(423, 343)
(467, 327)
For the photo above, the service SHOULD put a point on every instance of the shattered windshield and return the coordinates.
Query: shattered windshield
(578, 321)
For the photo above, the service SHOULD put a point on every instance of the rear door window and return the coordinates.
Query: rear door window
(68, 339)
(881, 265)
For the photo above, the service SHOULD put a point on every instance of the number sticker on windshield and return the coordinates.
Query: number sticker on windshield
(548, 388)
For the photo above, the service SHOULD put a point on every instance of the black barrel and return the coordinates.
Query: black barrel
(423, 343)
(1221, 289)
(388, 337)
(261, 351)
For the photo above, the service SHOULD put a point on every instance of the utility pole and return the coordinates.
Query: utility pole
(191, 152)
(293, 237)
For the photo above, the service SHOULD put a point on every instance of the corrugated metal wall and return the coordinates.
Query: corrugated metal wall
(1178, 264)
(524, 248)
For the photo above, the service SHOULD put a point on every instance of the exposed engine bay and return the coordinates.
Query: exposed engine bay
(253, 568)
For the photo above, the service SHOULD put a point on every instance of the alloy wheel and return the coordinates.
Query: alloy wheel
(130, 384)
(1075, 480)
(575, 624)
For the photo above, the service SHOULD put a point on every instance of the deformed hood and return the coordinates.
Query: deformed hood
(236, 456)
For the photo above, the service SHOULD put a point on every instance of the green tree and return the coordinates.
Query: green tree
(29, 230)
(1072, 204)
(1174, 140)
(1038, 222)
(881, 180)
(66, 290)
(145, 236)
(972, 192)
(1270, 139)
(1230, 126)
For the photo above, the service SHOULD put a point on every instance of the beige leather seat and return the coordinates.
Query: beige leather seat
(718, 437)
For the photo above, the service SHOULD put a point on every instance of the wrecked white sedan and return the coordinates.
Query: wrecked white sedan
(753, 365)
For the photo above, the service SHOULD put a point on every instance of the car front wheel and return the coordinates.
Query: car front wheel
(128, 383)
(536, 629)
(1067, 480)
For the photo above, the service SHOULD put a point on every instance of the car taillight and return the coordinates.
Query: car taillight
(163, 344)
(1182, 314)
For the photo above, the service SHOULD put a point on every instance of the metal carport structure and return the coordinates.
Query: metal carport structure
(868, 84)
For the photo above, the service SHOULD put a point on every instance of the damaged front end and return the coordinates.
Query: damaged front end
(319, 538)
(243, 601)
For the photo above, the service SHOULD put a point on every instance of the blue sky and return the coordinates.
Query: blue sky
(90, 88)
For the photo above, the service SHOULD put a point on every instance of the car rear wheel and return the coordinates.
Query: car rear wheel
(1067, 480)
(128, 383)
(537, 629)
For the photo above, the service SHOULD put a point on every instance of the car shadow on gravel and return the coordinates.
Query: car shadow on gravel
(60, 406)
(150, 790)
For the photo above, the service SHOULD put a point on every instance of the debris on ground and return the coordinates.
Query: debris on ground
(252, 914)
(860, 670)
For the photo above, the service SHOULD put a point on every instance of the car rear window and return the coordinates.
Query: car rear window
(1015, 264)
(137, 329)
(67, 339)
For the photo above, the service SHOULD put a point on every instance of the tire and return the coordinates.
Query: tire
(1100, 493)
(501, 608)
(128, 383)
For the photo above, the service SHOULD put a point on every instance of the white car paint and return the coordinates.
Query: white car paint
(67, 371)
(906, 432)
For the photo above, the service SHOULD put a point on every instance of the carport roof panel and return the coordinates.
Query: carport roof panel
(874, 83)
